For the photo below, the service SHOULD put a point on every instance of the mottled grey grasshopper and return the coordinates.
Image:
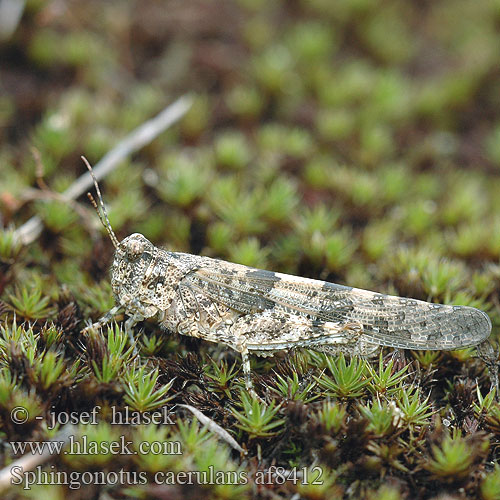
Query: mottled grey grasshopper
(252, 310)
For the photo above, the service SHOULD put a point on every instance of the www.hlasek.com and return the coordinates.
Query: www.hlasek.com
(85, 446)
(76, 479)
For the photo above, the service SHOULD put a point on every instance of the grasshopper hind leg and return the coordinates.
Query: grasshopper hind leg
(269, 331)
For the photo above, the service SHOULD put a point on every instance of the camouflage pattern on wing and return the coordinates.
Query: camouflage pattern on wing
(386, 320)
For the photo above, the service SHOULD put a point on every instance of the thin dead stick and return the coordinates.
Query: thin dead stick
(11, 12)
(84, 212)
(137, 139)
(214, 427)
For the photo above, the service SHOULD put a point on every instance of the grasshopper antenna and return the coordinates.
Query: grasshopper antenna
(103, 217)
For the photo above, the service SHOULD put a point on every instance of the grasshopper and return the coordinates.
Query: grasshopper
(258, 311)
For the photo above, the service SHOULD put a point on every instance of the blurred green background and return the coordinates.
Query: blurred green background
(355, 141)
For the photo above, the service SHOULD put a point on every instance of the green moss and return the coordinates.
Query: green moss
(490, 486)
(29, 301)
(334, 125)
(245, 102)
(10, 246)
(453, 458)
(232, 150)
(312, 42)
(141, 393)
(415, 409)
(347, 379)
(382, 419)
(249, 253)
(256, 419)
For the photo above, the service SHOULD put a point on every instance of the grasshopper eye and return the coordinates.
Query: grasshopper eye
(134, 249)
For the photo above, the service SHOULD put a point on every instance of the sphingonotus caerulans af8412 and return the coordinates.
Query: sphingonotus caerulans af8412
(258, 311)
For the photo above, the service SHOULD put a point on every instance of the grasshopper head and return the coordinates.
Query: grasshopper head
(132, 258)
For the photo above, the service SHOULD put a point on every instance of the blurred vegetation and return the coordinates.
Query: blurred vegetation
(351, 141)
